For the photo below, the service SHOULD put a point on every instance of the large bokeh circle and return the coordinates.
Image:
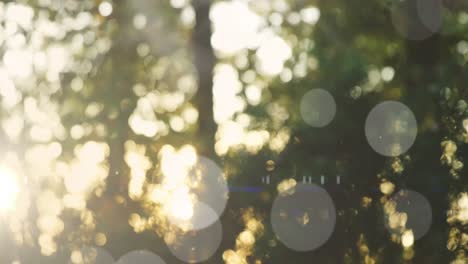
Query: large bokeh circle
(391, 128)
(197, 246)
(140, 257)
(304, 218)
(417, 210)
(417, 19)
(318, 107)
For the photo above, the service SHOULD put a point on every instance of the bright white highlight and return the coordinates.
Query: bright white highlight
(105, 9)
(9, 189)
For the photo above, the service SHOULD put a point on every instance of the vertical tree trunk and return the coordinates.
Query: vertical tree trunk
(204, 61)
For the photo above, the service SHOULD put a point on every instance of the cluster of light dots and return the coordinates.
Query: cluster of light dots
(303, 216)
(390, 128)
(190, 247)
(195, 206)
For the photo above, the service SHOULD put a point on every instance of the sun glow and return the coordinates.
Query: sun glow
(9, 189)
(174, 192)
(181, 208)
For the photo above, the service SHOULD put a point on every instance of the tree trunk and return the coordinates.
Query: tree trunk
(204, 61)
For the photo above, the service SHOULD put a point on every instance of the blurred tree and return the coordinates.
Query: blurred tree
(95, 94)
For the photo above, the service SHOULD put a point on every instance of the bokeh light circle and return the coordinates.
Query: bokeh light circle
(197, 246)
(93, 255)
(304, 218)
(391, 128)
(318, 108)
(416, 211)
(417, 19)
(430, 14)
(140, 257)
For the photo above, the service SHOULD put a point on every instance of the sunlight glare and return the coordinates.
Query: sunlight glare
(231, 35)
(9, 189)
(181, 208)
(174, 193)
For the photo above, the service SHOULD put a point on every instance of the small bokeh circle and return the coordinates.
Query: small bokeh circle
(304, 218)
(391, 128)
(417, 19)
(140, 257)
(318, 108)
(197, 246)
(412, 212)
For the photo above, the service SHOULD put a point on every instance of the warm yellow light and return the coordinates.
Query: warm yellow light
(181, 209)
(407, 239)
(9, 189)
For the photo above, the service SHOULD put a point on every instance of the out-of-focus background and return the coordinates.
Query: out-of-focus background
(241, 131)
